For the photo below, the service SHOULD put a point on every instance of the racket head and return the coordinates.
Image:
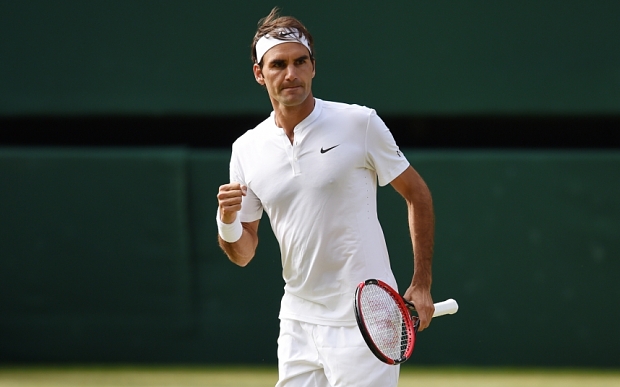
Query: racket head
(385, 321)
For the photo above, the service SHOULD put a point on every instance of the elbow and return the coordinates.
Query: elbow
(241, 252)
(240, 260)
(240, 263)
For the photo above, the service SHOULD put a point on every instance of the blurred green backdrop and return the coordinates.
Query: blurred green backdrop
(110, 255)
(400, 57)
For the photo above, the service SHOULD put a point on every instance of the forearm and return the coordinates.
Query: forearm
(242, 251)
(421, 224)
(422, 228)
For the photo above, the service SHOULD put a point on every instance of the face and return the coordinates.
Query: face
(287, 74)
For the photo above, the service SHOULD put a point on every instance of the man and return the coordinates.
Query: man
(313, 167)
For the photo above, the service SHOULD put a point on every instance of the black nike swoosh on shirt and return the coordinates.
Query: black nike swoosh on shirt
(328, 149)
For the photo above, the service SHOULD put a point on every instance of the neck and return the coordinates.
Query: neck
(288, 117)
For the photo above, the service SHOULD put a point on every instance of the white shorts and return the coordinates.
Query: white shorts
(312, 355)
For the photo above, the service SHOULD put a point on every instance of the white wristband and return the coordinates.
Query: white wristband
(230, 233)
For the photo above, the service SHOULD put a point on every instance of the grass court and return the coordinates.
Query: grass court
(266, 377)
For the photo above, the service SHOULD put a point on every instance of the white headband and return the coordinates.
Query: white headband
(285, 35)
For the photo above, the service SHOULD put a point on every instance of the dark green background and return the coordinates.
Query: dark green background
(110, 255)
(399, 57)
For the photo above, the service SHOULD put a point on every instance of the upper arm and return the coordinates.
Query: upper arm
(382, 154)
(410, 185)
(252, 229)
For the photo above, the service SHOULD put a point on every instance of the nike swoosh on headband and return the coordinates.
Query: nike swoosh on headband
(284, 35)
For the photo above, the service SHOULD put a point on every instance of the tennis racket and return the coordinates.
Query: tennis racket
(385, 319)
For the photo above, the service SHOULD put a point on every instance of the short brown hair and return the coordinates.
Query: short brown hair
(273, 22)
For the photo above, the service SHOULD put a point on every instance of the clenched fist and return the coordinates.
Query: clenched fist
(229, 201)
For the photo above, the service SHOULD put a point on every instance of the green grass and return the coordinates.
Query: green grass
(498, 377)
(266, 377)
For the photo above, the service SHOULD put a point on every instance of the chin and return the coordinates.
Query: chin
(294, 101)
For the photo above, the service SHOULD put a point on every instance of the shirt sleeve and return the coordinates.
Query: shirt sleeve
(251, 206)
(382, 154)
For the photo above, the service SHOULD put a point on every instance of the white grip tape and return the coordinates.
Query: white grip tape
(446, 307)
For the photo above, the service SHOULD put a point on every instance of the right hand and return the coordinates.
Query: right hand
(229, 200)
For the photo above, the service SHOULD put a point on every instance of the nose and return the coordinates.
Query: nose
(291, 72)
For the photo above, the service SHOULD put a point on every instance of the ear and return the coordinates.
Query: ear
(313, 67)
(258, 74)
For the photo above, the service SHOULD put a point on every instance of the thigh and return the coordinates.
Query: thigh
(299, 364)
(348, 362)
(314, 378)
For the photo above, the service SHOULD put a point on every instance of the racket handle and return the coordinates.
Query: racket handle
(446, 307)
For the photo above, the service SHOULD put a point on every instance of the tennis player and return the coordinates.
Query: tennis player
(313, 167)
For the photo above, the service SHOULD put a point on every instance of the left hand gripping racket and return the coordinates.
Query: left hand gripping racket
(385, 320)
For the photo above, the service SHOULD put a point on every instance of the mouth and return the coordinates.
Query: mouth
(295, 87)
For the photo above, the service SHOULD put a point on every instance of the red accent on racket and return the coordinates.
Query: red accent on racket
(385, 321)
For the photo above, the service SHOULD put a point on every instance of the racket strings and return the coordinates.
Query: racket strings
(384, 321)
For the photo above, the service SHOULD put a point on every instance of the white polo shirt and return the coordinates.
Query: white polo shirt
(320, 196)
